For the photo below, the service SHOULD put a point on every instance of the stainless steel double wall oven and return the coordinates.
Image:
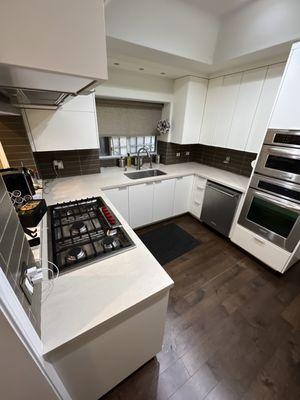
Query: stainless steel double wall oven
(272, 204)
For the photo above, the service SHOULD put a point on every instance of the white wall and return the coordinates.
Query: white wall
(129, 85)
(172, 26)
(259, 25)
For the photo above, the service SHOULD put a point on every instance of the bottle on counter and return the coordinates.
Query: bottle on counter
(128, 160)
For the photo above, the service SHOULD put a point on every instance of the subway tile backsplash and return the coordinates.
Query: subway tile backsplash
(14, 253)
(14, 140)
(235, 161)
(76, 162)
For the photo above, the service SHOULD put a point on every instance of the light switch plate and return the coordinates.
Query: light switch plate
(177, 154)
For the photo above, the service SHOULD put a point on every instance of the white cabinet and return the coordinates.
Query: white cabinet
(197, 196)
(119, 198)
(211, 110)
(272, 255)
(248, 98)
(223, 116)
(163, 199)
(188, 108)
(264, 107)
(286, 112)
(141, 204)
(182, 194)
(71, 127)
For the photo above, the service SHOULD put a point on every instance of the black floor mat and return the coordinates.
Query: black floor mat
(168, 242)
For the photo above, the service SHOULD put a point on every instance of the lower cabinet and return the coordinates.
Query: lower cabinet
(182, 194)
(196, 199)
(141, 204)
(150, 202)
(163, 199)
(119, 198)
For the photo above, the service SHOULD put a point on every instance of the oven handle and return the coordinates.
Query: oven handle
(284, 203)
(293, 153)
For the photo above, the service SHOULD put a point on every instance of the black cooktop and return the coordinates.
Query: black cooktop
(84, 231)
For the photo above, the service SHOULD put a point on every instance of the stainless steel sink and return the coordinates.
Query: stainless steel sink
(150, 173)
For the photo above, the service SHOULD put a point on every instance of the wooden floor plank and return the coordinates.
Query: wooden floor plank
(232, 330)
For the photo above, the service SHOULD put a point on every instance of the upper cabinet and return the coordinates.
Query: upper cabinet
(264, 107)
(247, 101)
(188, 108)
(286, 112)
(238, 108)
(52, 45)
(72, 127)
(211, 109)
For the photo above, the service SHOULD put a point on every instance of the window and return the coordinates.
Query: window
(122, 145)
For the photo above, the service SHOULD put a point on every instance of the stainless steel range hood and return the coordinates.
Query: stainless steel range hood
(33, 98)
(29, 88)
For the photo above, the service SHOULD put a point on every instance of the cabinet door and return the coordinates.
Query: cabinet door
(286, 113)
(247, 102)
(163, 199)
(211, 110)
(141, 204)
(119, 198)
(264, 108)
(182, 197)
(227, 104)
(194, 109)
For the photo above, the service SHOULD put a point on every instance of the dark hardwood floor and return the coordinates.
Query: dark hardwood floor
(232, 329)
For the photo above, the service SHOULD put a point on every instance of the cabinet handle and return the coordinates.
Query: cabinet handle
(200, 188)
(122, 188)
(179, 177)
(157, 181)
(197, 202)
(259, 241)
(148, 183)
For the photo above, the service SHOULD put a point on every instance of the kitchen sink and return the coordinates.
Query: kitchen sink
(145, 174)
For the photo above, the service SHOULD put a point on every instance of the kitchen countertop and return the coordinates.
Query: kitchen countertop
(101, 292)
(65, 189)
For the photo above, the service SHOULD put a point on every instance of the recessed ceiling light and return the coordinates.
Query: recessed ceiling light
(141, 69)
(116, 63)
(163, 73)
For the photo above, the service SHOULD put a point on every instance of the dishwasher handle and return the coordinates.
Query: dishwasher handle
(222, 191)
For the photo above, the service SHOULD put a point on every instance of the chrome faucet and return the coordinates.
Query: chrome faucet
(146, 150)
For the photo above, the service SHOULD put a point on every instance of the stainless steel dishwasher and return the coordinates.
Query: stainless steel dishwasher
(219, 206)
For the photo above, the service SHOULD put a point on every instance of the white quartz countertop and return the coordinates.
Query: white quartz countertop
(101, 292)
(65, 189)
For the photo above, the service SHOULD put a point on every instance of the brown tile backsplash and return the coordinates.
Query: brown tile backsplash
(239, 162)
(14, 253)
(76, 162)
(14, 140)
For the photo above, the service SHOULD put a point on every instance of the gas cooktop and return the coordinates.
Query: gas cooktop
(84, 231)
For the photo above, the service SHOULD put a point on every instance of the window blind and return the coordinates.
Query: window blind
(127, 118)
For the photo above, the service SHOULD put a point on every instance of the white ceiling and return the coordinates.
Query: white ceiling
(218, 7)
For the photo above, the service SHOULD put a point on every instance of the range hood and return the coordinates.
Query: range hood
(29, 88)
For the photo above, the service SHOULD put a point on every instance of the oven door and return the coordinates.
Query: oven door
(279, 162)
(285, 190)
(271, 217)
(283, 137)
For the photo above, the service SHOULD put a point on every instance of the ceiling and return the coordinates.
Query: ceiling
(218, 7)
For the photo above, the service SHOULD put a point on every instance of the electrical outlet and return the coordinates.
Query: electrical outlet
(177, 154)
(227, 160)
(58, 164)
(187, 153)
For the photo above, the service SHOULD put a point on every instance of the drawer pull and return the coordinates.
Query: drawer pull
(197, 202)
(200, 188)
(260, 241)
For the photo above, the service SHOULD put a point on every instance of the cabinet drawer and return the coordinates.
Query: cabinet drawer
(265, 251)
